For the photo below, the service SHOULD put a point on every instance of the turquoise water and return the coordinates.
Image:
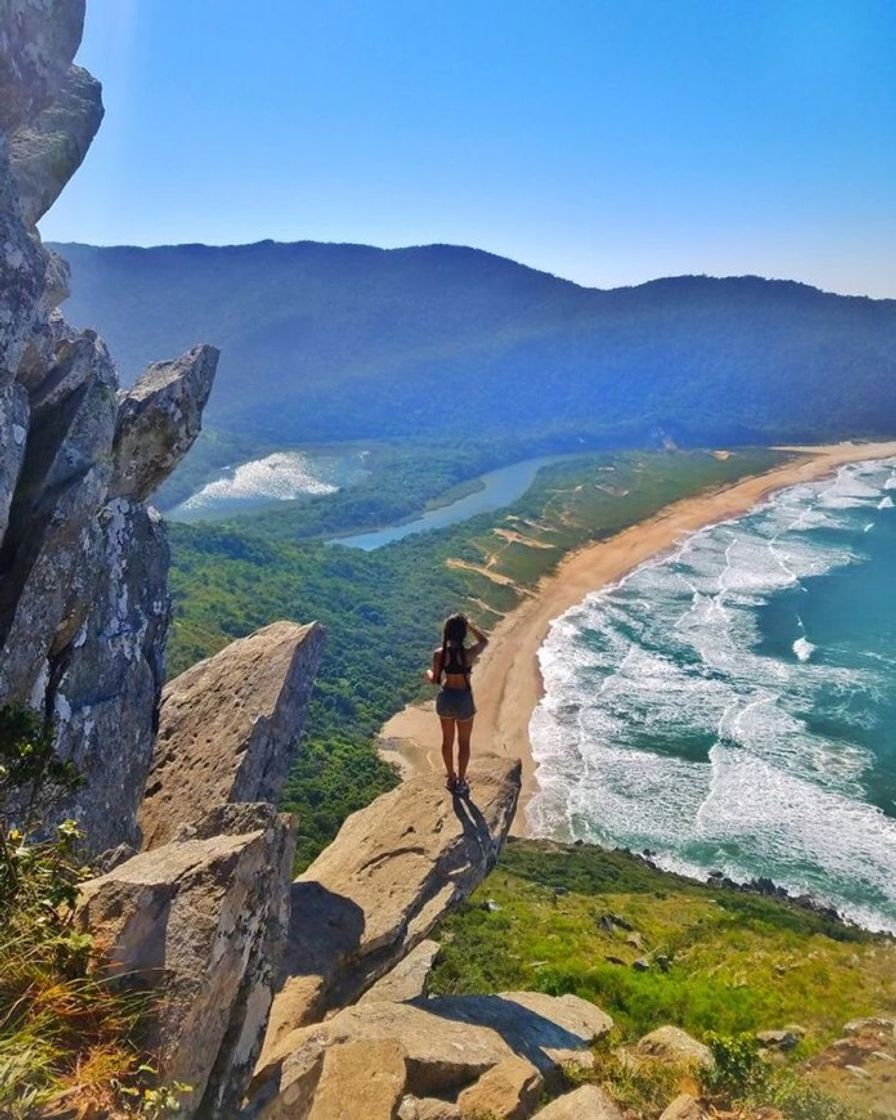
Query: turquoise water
(732, 707)
(499, 488)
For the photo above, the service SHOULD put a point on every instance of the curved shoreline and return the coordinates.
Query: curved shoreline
(507, 680)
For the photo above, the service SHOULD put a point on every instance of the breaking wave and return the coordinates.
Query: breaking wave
(727, 708)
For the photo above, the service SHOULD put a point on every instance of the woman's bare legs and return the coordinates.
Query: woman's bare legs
(464, 731)
(448, 728)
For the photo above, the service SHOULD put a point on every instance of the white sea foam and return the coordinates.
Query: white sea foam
(665, 725)
(885, 503)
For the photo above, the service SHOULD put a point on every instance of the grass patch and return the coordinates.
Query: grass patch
(575, 919)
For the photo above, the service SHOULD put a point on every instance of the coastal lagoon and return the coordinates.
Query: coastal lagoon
(732, 707)
(498, 488)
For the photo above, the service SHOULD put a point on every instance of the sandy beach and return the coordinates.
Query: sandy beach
(506, 680)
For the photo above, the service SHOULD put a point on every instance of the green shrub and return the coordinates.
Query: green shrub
(66, 1031)
(741, 1078)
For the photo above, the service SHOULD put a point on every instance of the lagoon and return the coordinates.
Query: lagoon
(499, 488)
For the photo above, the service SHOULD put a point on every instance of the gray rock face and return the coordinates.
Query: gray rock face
(46, 153)
(22, 271)
(13, 431)
(228, 727)
(447, 1047)
(108, 681)
(199, 921)
(48, 577)
(394, 869)
(38, 40)
(158, 420)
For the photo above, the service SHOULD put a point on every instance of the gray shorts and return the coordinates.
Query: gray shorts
(455, 703)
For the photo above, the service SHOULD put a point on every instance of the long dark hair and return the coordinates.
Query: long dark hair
(453, 637)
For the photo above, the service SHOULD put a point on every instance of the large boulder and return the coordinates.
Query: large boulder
(589, 1102)
(394, 869)
(448, 1046)
(672, 1044)
(46, 152)
(228, 727)
(199, 922)
(684, 1107)
(508, 1091)
(158, 420)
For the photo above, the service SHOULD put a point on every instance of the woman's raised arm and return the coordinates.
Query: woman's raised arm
(481, 639)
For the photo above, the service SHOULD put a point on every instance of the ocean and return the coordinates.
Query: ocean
(732, 706)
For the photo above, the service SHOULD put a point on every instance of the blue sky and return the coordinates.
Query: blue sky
(608, 142)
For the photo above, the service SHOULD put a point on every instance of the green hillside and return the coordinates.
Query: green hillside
(326, 342)
(382, 609)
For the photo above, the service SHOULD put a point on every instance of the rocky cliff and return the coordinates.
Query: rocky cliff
(84, 606)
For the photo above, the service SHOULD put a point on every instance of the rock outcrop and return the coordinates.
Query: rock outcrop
(408, 979)
(684, 1107)
(48, 151)
(228, 727)
(672, 1044)
(508, 1091)
(378, 890)
(38, 40)
(83, 564)
(200, 922)
(461, 1048)
(589, 1102)
(158, 420)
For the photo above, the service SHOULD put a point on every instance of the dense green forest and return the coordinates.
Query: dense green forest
(341, 342)
(382, 609)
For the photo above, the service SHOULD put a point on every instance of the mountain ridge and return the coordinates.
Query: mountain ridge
(330, 341)
(271, 242)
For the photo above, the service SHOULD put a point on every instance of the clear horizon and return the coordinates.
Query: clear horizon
(606, 145)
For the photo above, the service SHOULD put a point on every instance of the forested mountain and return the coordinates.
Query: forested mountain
(327, 341)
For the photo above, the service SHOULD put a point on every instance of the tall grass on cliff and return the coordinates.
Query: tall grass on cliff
(68, 1038)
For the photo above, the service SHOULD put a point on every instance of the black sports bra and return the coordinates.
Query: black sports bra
(454, 663)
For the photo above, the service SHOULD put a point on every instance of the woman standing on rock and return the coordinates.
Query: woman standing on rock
(454, 704)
